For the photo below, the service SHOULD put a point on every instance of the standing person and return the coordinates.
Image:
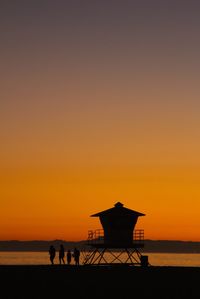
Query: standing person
(69, 257)
(61, 254)
(52, 254)
(76, 256)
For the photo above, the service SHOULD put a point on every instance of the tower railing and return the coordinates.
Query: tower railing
(138, 235)
(97, 236)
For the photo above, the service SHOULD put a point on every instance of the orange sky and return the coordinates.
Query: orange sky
(99, 104)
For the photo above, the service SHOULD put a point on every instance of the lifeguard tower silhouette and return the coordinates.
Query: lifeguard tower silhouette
(118, 238)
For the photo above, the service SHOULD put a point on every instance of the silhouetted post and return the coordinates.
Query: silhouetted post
(144, 261)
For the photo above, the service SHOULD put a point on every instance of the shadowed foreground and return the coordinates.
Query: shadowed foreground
(99, 282)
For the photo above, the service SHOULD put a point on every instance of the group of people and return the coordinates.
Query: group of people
(69, 255)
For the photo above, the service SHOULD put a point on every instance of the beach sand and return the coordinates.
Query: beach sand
(61, 281)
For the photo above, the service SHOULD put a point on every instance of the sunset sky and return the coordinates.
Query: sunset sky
(99, 103)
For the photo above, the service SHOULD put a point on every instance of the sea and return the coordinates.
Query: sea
(155, 259)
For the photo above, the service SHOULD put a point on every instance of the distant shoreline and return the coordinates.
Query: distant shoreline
(156, 246)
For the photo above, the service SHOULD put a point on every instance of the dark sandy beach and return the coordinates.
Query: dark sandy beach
(99, 282)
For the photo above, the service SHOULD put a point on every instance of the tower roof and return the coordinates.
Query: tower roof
(118, 209)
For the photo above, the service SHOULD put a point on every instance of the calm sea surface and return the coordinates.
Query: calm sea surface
(155, 259)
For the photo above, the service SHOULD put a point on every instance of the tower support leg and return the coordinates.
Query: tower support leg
(107, 256)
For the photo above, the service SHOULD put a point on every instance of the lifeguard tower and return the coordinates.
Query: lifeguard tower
(118, 242)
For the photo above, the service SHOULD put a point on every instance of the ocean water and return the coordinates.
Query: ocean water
(155, 259)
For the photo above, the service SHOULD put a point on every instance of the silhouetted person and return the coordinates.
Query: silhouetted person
(52, 254)
(69, 257)
(76, 256)
(61, 254)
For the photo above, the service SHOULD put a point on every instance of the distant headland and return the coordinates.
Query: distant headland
(162, 246)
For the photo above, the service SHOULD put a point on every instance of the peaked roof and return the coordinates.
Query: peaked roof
(118, 208)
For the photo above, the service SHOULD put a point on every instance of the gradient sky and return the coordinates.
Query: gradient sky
(99, 103)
